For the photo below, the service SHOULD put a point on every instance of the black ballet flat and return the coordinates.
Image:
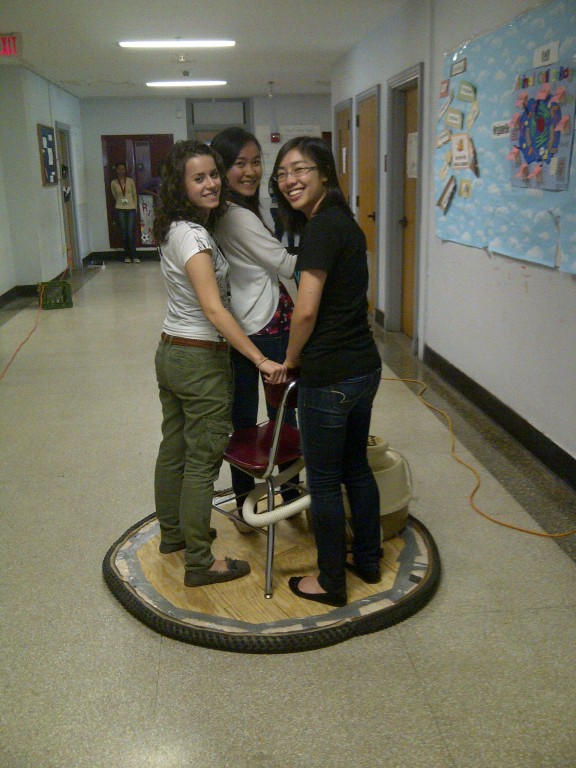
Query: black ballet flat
(326, 598)
(369, 577)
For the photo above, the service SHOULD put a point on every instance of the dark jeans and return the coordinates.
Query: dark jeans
(334, 427)
(245, 405)
(279, 229)
(125, 221)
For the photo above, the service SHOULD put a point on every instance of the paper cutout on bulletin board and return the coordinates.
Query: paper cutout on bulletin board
(515, 216)
(542, 132)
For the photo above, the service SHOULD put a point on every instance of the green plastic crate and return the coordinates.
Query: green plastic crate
(57, 294)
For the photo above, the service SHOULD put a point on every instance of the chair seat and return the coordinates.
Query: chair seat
(249, 448)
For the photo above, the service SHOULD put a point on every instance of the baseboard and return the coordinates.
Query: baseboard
(98, 257)
(550, 454)
(18, 292)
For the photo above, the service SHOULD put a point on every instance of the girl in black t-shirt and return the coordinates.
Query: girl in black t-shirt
(331, 340)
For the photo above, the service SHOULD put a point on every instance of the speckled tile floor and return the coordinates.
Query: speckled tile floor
(483, 677)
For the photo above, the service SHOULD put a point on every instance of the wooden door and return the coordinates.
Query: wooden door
(411, 141)
(366, 204)
(343, 151)
(142, 154)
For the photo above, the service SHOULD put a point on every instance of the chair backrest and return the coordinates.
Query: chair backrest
(282, 394)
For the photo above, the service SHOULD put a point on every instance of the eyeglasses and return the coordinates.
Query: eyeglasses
(297, 173)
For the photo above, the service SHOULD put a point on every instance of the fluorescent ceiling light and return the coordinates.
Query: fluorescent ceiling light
(185, 83)
(177, 43)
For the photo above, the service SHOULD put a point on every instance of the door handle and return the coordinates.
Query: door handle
(403, 222)
(372, 216)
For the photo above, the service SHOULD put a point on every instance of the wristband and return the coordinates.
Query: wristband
(262, 361)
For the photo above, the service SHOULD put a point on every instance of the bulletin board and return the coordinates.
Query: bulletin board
(504, 168)
(47, 149)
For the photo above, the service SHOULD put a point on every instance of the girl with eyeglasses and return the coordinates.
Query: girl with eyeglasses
(331, 339)
(260, 301)
(192, 361)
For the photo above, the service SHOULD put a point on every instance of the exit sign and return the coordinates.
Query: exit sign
(10, 46)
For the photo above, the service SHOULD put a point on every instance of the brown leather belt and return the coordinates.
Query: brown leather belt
(204, 344)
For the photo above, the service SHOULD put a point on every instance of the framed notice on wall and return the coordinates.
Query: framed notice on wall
(46, 146)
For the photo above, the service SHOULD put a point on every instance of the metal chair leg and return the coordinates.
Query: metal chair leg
(269, 561)
(270, 545)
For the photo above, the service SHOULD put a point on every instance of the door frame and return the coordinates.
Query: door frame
(396, 155)
(375, 91)
(65, 128)
(342, 107)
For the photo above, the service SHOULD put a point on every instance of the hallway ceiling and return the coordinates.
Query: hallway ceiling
(293, 43)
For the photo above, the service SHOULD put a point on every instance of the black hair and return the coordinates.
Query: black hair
(229, 143)
(173, 200)
(320, 154)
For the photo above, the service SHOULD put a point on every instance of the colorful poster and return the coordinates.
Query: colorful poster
(542, 128)
(146, 211)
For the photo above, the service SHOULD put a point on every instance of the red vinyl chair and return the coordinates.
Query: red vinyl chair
(258, 450)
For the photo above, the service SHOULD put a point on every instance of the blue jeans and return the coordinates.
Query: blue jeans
(334, 427)
(125, 220)
(245, 404)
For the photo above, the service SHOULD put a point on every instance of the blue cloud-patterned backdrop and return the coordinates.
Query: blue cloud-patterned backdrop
(528, 223)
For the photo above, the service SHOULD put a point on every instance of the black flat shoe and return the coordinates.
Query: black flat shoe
(326, 598)
(167, 549)
(369, 577)
(235, 569)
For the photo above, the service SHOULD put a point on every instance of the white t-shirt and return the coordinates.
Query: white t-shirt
(184, 316)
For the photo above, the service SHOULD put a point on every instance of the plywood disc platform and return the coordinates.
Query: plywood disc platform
(235, 616)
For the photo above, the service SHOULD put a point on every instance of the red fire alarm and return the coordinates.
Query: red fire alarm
(275, 138)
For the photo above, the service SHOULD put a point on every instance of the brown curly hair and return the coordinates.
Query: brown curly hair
(173, 202)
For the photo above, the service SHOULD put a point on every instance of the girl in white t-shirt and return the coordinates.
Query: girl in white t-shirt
(192, 361)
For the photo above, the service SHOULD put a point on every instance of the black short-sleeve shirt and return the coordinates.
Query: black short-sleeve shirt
(341, 345)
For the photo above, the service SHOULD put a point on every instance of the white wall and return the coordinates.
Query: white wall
(102, 117)
(31, 229)
(508, 325)
(389, 50)
(32, 238)
(7, 267)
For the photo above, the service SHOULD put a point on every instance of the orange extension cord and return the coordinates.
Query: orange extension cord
(424, 387)
(41, 299)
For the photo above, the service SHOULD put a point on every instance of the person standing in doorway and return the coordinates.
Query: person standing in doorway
(126, 203)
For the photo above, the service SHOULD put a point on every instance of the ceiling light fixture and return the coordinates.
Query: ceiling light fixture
(185, 83)
(177, 43)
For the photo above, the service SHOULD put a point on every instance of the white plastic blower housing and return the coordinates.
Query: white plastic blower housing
(392, 475)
